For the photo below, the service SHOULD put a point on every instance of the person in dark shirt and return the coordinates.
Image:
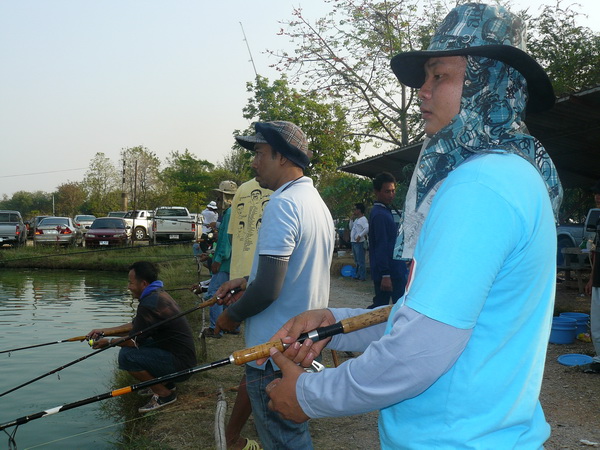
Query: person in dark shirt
(164, 350)
(388, 274)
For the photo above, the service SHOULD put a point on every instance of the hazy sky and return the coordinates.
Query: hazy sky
(80, 77)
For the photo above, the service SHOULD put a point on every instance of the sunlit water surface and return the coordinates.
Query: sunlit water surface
(46, 306)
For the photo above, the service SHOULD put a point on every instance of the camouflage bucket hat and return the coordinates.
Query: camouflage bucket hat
(477, 29)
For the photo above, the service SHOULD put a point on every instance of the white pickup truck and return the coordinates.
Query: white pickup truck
(173, 223)
(140, 222)
(576, 234)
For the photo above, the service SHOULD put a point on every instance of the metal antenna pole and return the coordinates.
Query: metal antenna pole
(249, 52)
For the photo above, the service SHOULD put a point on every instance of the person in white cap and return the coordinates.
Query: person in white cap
(210, 216)
(290, 272)
(460, 362)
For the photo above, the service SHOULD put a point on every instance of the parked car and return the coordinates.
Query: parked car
(32, 225)
(117, 214)
(83, 221)
(12, 229)
(107, 232)
(140, 222)
(576, 234)
(173, 223)
(58, 231)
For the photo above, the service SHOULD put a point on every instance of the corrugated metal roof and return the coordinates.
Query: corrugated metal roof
(570, 132)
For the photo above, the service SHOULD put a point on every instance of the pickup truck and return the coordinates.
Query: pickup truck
(140, 222)
(173, 223)
(576, 234)
(12, 228)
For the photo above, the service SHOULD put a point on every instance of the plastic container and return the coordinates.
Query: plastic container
(348, 271)
(564, 330)
(582, 320)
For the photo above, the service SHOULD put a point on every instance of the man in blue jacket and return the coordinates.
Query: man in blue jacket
(388, 274)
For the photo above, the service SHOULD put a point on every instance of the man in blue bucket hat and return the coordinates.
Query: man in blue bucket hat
(460, 362)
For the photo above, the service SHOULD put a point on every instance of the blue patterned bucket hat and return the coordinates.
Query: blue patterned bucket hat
(285, 138)
(477, 29)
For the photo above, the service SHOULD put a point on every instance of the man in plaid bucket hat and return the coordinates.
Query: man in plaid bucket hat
(460, 362)
(290, 272)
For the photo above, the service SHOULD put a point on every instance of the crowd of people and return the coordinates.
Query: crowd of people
(468, 265)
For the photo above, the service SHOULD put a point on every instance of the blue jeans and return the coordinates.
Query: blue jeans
(215, 282)
(274, 432)
(358, 250)
(156, 361)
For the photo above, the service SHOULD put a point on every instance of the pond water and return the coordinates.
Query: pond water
(47, 306)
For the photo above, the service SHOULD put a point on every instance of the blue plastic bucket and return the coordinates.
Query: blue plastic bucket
(564, 330)
(582, 320)
(348, 271)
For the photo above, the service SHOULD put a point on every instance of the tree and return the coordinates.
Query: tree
(347, 56)
(100, 184)
(187, 179)
(324, 122)
(28, 203)
(340, 191)
(569, 53)
(69, 199)
(140, 181)
(238, 161)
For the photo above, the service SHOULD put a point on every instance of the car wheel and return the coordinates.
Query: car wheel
(139, 234)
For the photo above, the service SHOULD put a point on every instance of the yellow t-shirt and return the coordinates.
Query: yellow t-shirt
(246, 214)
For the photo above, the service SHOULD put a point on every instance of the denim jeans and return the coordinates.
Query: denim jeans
(274, 432)
(358, 249)
(156, 361)
(215, 282)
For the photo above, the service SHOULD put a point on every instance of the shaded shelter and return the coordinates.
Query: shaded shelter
(570, 132)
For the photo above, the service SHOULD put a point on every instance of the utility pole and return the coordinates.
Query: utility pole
(124, 190)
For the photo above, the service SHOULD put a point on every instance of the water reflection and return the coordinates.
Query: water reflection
(44, 306)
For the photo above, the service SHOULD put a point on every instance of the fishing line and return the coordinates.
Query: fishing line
(239, 357)
(114, 343)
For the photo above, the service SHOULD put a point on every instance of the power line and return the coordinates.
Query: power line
(41, 173)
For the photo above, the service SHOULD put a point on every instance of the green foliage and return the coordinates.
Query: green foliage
(29, 203)
(575, 206)
(340, 191)
(140, 177)
(569, 53)
(323, 122)
(100, 184)
(187, 180)
(69, 197)
(346, 55)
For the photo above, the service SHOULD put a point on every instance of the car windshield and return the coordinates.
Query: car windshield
(54, 221)
(108, 223)
(84, 218)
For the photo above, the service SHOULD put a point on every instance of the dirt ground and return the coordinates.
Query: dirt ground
(570, 398)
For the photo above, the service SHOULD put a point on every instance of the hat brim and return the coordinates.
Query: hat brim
(409, 68)
(248, 142)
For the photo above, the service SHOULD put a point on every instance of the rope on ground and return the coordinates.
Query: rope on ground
(220, 442)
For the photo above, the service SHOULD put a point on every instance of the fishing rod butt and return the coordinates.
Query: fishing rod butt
(253, 353)
(365, 320)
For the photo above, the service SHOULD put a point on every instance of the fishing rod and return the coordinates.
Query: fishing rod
(73, 339)
(115, 342)
(76, 338)
(239, 357)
